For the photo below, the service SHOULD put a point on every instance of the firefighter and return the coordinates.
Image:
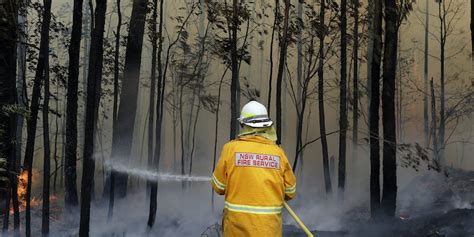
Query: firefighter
(255, 176)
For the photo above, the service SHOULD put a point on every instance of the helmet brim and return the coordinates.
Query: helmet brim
(265, 124)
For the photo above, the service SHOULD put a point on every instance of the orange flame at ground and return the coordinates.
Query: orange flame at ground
(22, 184)
(21, 191)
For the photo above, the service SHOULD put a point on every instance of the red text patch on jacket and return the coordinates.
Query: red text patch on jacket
(257, 160)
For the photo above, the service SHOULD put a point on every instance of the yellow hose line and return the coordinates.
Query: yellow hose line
(297, 219)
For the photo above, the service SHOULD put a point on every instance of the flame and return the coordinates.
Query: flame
(21, 191)
(22, 184)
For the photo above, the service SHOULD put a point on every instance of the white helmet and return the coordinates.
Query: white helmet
(255, 115)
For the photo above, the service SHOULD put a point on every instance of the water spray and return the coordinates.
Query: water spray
(151, 175)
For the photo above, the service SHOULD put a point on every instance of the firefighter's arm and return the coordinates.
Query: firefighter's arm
(219, 177)
(289, 179)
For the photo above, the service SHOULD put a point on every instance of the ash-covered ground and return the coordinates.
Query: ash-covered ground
(433, 204)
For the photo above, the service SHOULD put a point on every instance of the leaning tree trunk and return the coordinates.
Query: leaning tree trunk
(31, 128)
(70, 193)
(123, 137)
(235, 70)
(322, 116)
(93, 95)
(355, 98)
(343, 103)
(376, 35)
(389, 194)
(281, 66)
(47, 155)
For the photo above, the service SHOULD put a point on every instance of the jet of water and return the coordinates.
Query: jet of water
(147, 174)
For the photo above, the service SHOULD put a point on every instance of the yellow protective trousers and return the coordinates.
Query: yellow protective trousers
(256, 178)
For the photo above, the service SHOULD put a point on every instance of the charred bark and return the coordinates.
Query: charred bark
(110, 186)
(70, 185)
(93, 96)
(8, 97)
(434, 121)
(283, 48)
(32, 122)
(123, 137)
(47, 154)
(426, 118)
(159, 120)
(235, 70)
(355, 82)
(274, 28)
(376, 35)
(153, 157)
(322, 116)
(389, 194)
(343, 103)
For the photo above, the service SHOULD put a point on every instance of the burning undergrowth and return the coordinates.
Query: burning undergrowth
(22, 189)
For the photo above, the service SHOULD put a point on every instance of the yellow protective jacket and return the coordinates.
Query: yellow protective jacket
(256, 178)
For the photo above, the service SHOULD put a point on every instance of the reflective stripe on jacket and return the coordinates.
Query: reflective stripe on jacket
(256, 178)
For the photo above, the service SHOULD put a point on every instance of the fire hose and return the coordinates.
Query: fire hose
(297, 219)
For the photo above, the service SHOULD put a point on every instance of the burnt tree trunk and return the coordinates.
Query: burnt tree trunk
(123, 136)
(376, 35)
(235, 70)
(56, 137)
(23, 103)
(47, 154)
(434, 121)
(159, 120)
(281, 67)
(426, 118)
(389, 194)
(216, 128)
(153, 158)
(343, 103)
(110, 186)
(355, 82)
(302, 107)
(93, 96)
(442, 105)
(322, 116)
(151, 109)
(370, 54)
(32, 122)
(70, 184)
(274, 28)
(8, 97)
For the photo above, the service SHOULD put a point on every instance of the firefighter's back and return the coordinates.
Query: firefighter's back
(256, 176)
